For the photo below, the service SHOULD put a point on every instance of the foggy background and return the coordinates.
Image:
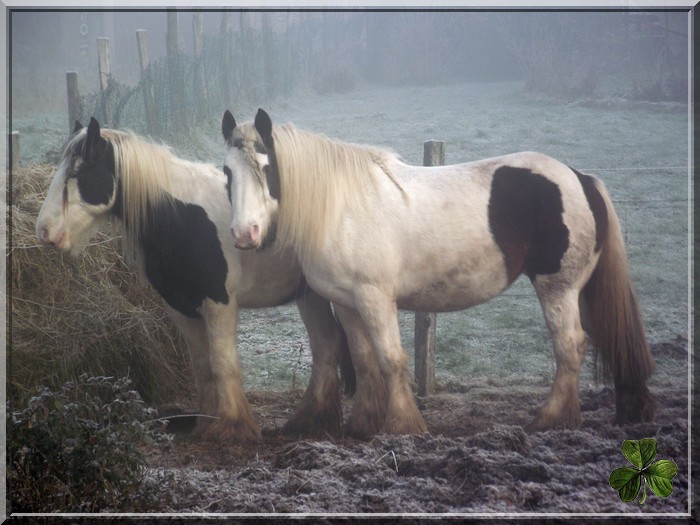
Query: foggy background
(272, 55)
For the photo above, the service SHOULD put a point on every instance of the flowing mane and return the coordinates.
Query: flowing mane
(143, 172)
(321, 179)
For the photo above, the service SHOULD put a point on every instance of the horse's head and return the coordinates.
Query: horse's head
(253, 180)
(82, 192)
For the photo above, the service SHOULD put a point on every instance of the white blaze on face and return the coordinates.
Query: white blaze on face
(253, 209)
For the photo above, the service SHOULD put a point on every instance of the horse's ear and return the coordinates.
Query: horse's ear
(93, 137)
(77, 126)
(228, 124)
(263, 124)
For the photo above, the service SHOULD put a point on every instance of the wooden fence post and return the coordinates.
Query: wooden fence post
(73, 99)
(14, 151)
(146, 81)
(103, 62)
(200, 86)
(172, 34)
(104, 71)
(433, 155)
(175, 70)
(226, 58)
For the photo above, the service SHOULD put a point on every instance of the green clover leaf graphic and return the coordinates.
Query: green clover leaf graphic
(628, 481)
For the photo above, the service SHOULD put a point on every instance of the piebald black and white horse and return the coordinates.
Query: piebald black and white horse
(175, 218)
(375, 235)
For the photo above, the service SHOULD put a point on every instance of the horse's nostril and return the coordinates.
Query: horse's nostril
(44, 235)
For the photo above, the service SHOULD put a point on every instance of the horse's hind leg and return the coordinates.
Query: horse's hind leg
(561, 313)
(320, 409)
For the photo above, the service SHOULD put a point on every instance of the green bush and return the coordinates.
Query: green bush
(80, 449)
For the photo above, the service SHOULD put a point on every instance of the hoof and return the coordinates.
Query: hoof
(634, 406)
(413, 425)
(226, 430)
(321, 423)
(363, 427)
(545, 421)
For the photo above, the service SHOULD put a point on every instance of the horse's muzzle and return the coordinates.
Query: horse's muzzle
(58, 239)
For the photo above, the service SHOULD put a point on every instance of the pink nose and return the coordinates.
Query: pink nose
(249, 237)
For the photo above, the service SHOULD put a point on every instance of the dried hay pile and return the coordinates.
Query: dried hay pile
(88, 314)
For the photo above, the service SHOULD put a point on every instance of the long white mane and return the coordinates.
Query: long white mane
(144, 173)
(145, 170)
(319, 180)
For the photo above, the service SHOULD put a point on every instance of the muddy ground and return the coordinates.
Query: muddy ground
(479, 458)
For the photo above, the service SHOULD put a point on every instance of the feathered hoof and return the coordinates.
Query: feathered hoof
(634, 406)
(224, 430)
(324, 422)
(405, 425)
(363, 427)
(570, 419)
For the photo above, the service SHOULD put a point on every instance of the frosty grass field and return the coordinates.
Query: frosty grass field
(640, 151)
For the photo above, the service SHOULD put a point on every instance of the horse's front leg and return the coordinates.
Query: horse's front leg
(395, 408)
(320, 411)
(195, 334)
(234, 417)
(380, 318)
(369, 403)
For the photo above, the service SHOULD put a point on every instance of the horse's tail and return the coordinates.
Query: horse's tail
(615, 321)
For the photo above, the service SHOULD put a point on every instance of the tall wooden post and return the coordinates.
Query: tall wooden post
(103, 62)
(146, 81)
(226, 58)
(200, 86)
(104, 70)
(73, 99)
(177, 75)
(172, 35)
(433, 155)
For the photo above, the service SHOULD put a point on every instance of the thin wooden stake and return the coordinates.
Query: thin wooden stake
(103, 62)
(146, 81)
(200, 86)
(73, 99)
(425, 322)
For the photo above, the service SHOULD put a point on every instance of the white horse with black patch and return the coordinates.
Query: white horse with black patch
(374, 234)
(175, 216)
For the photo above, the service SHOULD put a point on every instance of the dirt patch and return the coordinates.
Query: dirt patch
(479, 457)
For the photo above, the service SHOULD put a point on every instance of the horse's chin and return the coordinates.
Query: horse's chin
(247, 247)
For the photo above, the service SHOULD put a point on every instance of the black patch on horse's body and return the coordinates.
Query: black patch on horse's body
(597, 205)
(183, 256)
(526, 219)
